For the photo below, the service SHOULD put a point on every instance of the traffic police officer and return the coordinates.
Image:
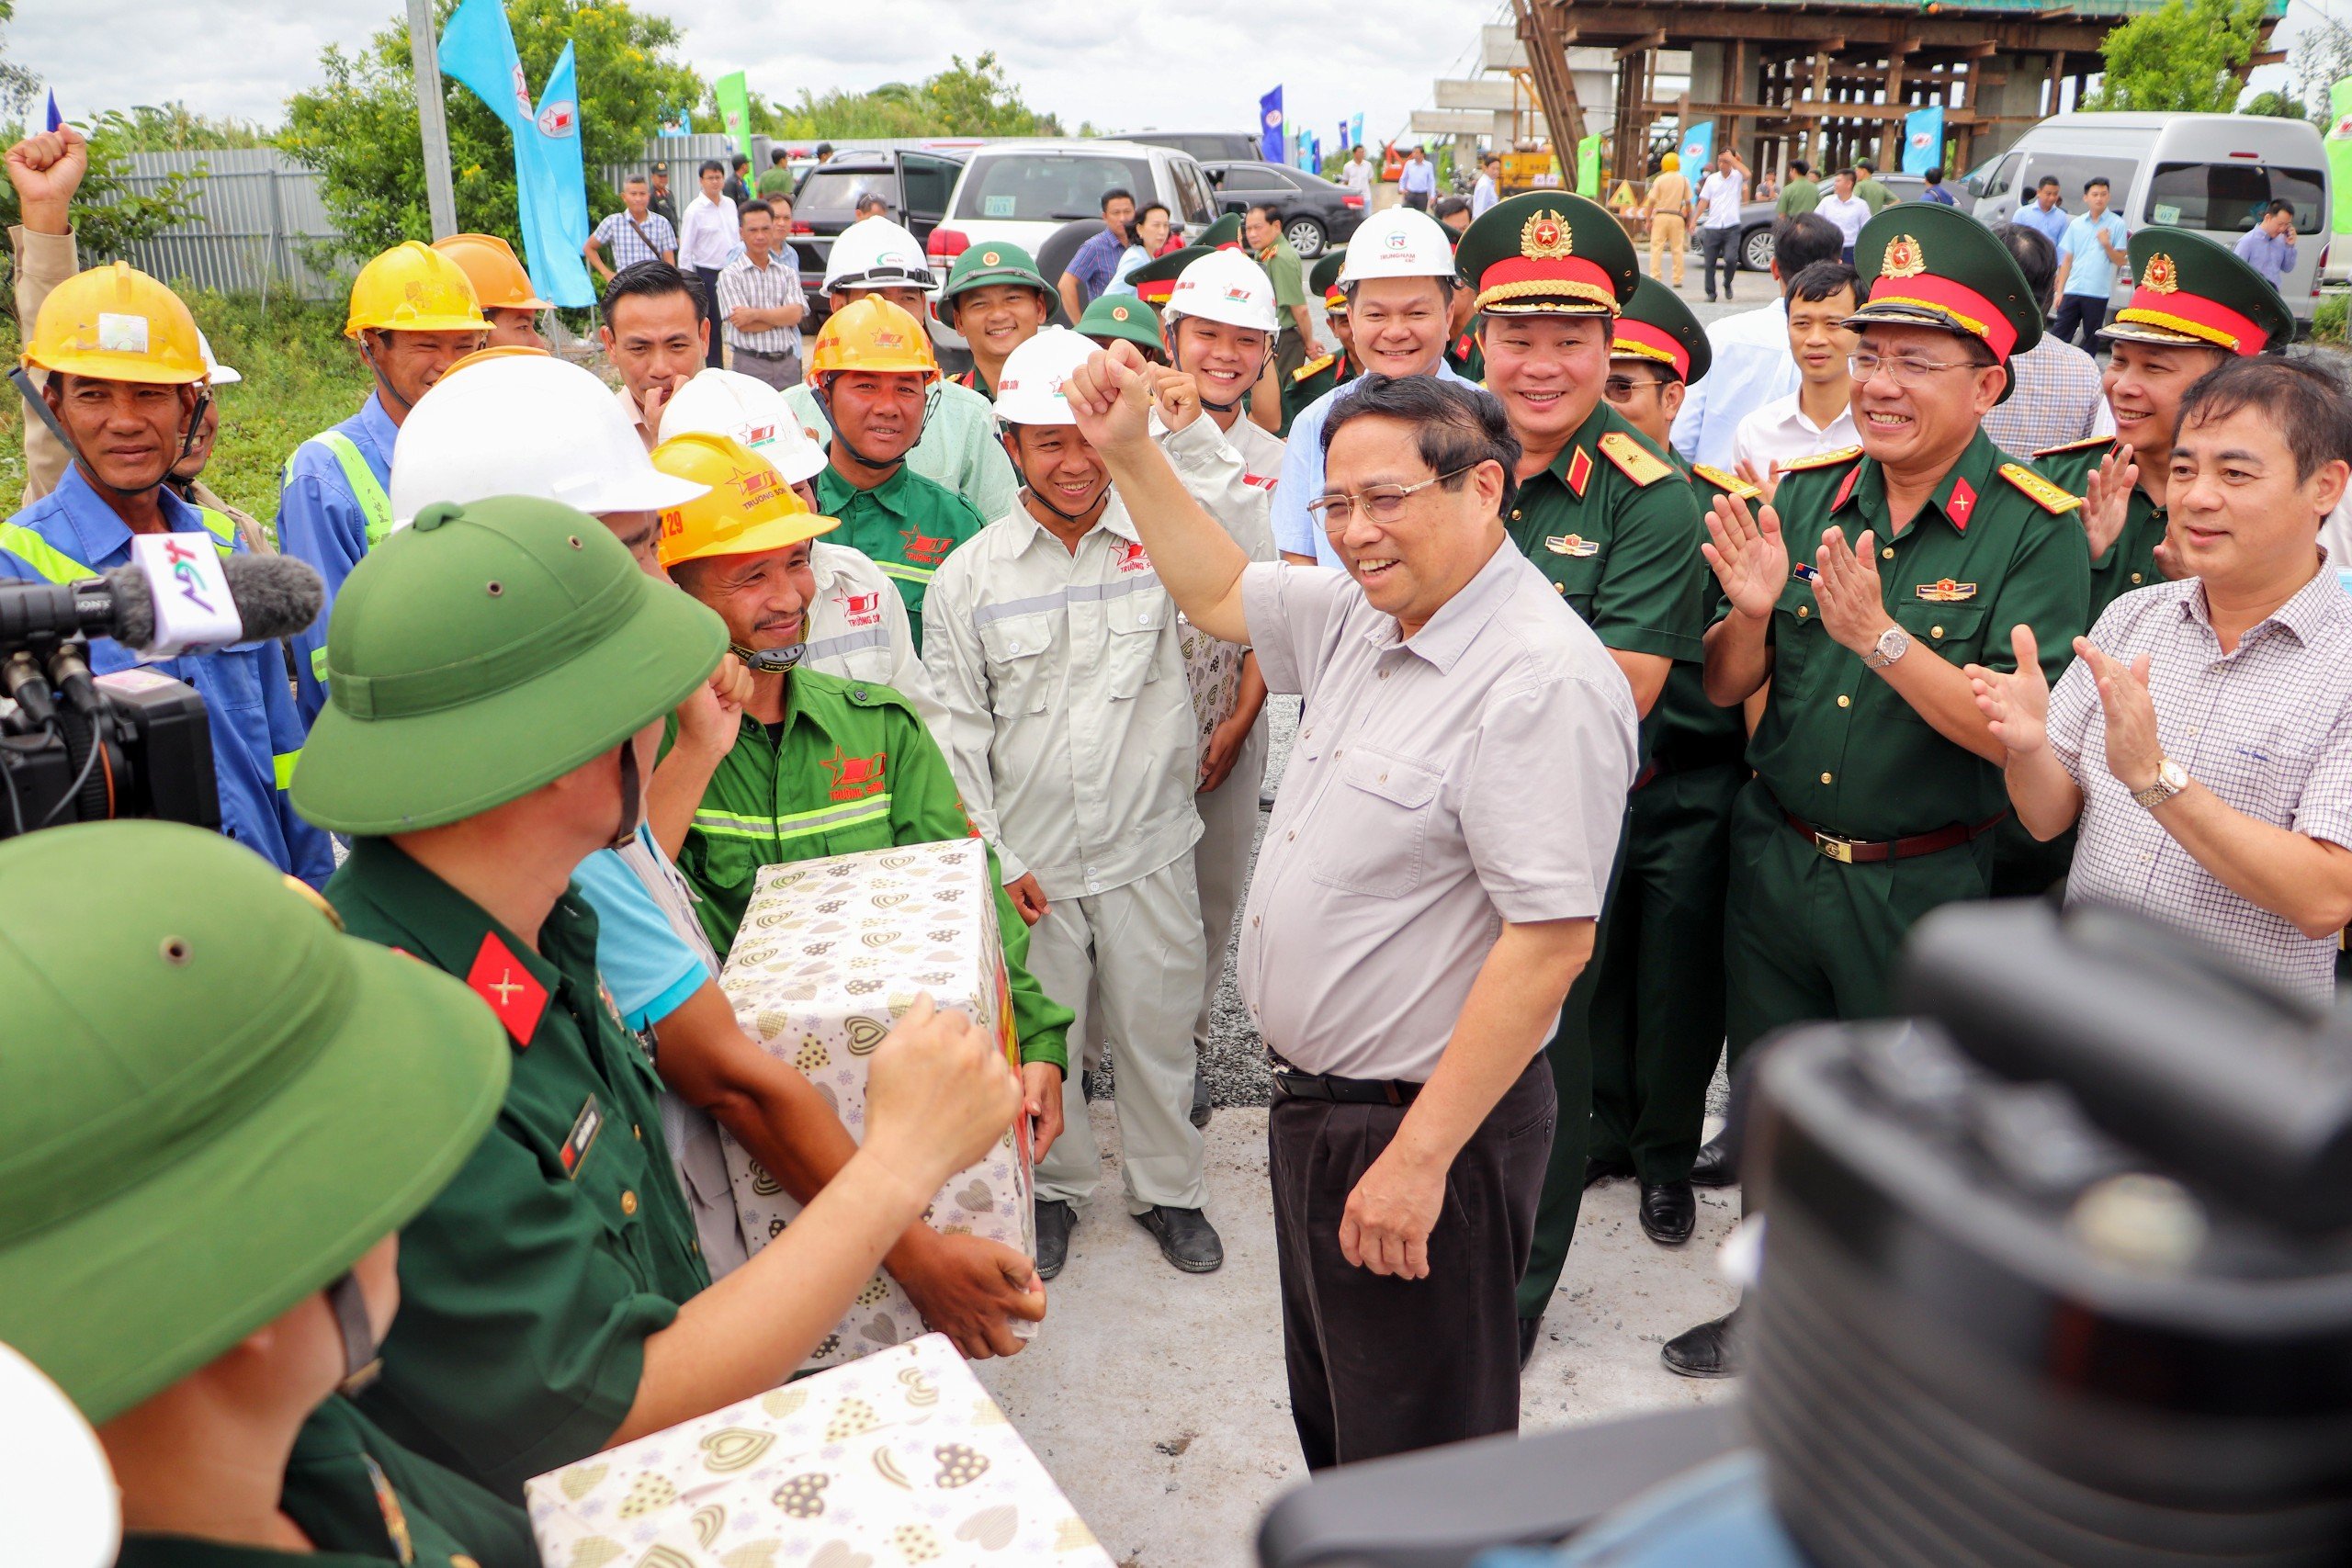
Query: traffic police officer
(1877, 784)
(501, 288)
(995, 298)
(499, 672)
(198, 1272)
(413, 314)
(875, 258)
(123, 356)
(869, 375)
(1611, 522)
(1325, 371)
(2194, 304)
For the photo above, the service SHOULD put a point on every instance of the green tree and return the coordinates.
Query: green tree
(976, 100)
(966, 99)
(109, 215)
(2185, 57)
(175, 128)
(358, 128)
(17, 86)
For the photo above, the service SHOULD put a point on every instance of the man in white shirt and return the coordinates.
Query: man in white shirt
(1846, 209)
(1489, 189)
(1752, 364)
(1816, 417)
(1357, 174)
(1720, 197)
(708, 240)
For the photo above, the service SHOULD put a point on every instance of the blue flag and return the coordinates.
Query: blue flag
(1923, 140)
(477, 50)
(1698, 148)
(551, 185)
(55, 119)
(1271, 140)
(1355, 130)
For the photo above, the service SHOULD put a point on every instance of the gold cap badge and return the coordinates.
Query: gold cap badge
(1903, 258)
(1547, 237)
(987, 258)
(2163, 277)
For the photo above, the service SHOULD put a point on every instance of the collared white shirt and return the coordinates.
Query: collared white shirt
(1780, 431)
(1752, 367)
(1850, 215)
(858, 629)
(2266, 726)
(709, 232)
(1720, 196)
(1484, 195)
(1356, 174)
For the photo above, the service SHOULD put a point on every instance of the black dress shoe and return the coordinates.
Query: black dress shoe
(1710, 1350)
(1669, 1210)
(1531, 1330)
(1186, 1238)
(1714, 1167)
(1200, 1098)
(1597, 1170)
(1055, 1219)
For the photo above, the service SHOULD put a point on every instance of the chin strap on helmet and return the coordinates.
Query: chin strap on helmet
(769, 661)
(360, 1361)
(822, 394)
(39, 405)
(632, 795)
(383, 382)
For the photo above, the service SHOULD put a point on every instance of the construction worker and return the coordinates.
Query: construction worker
(1123, 316)
(480, 744)
(412, 315)
(877, 257)
(1325, 372)
(857, 623)
(501, 286)
(816, 765)
(1615, 527)
(1058, 657)
(208, 1269)
(870, 377)
(1877, 784)
(997, 299)
(125, 396)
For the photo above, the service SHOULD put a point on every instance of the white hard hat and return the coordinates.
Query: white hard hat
(1398, 242)
(526, 424)
(215, 373)
(727, 403)
(59, 1507)
(1029, 389)
(1225, 285)
(875, 252)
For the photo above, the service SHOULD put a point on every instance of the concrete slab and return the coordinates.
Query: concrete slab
(1156, 1399)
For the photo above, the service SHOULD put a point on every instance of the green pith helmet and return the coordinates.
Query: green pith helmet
(1924, 264)
(2189, 291)
(1226, 231)
(982, 266)
(1548, 252)
(1323, 279)
(1154, 281)
(1127, 316)
(1657, 326)
(485, 650)
(212, 1102)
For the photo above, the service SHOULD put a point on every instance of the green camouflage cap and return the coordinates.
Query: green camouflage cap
(1323, 279)
(486, 649)
(1925, 265)
(982, 266)
(1127, 316)
(1548, 252)
(2194, 292)
(1657, 326)
(212, 1102)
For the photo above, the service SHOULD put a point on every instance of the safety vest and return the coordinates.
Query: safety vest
(374, 504)
(58, 567)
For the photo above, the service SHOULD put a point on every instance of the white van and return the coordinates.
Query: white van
(2213, 173)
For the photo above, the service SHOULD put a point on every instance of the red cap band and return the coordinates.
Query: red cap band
(2197, 317)
(1523, 277)
(1654, 343)
(1977, 313)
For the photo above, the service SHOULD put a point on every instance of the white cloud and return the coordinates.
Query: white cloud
(1194, 64)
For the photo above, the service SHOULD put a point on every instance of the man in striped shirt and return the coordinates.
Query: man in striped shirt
(760, 304)
(637, 233)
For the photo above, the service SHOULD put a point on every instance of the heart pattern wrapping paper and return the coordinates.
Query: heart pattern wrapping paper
(898, 1460)
(829, 952)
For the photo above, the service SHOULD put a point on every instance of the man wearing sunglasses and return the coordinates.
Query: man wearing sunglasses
(1884, 572)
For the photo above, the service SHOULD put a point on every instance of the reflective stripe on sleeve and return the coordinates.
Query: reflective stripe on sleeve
(733, 825)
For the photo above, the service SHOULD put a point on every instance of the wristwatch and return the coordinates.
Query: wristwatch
(2171, 779)
(1892, 644)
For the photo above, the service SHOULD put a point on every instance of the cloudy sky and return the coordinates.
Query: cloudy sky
(1199, 64)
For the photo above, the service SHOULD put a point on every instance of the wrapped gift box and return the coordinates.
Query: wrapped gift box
(830, 954)
(900, 1459)
(1212, 674)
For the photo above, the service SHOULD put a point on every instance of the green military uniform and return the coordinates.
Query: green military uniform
(1325, 371)
(907, 525)
(1861, 817)
(339, 1087)
(1468, 355)
(531, 1284)
(883, 780)
(1155, 281)
(1615, 527)
(1124, 316)
(983, 266)
(2130, 561)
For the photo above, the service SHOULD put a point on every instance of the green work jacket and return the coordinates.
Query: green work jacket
(906, 523)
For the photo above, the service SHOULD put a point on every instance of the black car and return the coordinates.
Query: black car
(1755, 220)
(1208, 146)
(914, 186)
(1315, 212)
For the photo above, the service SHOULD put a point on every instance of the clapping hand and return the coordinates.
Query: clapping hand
(2133, 750)
(1853, 605)
(1750, 558)
(2015, 705)
(2108, 505)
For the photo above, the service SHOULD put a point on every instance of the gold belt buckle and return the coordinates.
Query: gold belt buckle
(1837, 849)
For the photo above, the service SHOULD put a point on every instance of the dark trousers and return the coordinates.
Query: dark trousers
(2078, 320)
(1382, 1365)
(1290, 352)
(1419, 200)
(717, 354)
(1723, 244)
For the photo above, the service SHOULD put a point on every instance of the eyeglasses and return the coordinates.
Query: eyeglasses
(1617, 389)
(1381, 503)
(1903, 369)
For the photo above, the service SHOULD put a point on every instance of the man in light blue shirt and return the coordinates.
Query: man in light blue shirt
(2088, 257)
(2270, 247)
(2046, 214)
(1489, 187)
(1418, 182)
(1752, 361)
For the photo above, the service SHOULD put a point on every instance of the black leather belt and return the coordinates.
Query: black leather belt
(763, 353)
(1344, 1091)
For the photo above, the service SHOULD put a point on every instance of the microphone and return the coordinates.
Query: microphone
(275, 596)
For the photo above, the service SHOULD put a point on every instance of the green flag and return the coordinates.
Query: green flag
(1588, 165)
(735, 109)
(2339, 154)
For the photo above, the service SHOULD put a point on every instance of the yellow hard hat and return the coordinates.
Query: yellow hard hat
(500, 283)
(747, 511)
(496, 351)
(116, 323)
(1670, 164)
(871, 333)
(413, 289)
